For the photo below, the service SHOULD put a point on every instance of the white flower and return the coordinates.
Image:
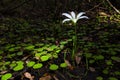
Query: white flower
(73, 17)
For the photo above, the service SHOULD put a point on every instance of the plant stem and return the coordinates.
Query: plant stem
(74, 42)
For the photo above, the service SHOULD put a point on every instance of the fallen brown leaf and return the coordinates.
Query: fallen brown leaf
(28, 75)
(68, 64)
(92, 69)
(46, 78)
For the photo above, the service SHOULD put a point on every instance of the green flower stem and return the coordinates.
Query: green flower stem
(74, 42)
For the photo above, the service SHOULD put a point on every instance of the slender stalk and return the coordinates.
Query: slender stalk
(74, 42)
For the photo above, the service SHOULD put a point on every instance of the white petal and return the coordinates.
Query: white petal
(80, 14)
(65, 20)
(83, 17)
(73, 14)
(67, 15)
(74, 20)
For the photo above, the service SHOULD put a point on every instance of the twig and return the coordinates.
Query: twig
(113, 7)
(94, 7)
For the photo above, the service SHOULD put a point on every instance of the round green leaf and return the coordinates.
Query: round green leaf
(38, 65)
(99, 78)
(12, 65)
(63, 65)
(105, 71)
(30, 63)
(91, 61)
(115, 58)
(53, 67)
(112, 78)
(99, 57)
(88, 55)
(6, 76)
(18, 67)
(19, 53)
(20, 62)
(109, 62)
(55, 55)
(44, 58)
(30, 47)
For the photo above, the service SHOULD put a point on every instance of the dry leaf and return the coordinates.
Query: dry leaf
(92, 69)
(55, 77)
(68, 64)
(46, 78)
(77, 59)
(3, 72)
(103, 14)
(28, 75)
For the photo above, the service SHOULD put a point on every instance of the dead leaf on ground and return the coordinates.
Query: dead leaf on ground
(28, 75)
(78, 59)
(46, 78)
(55, 77)
(68, 64)
(92, 69)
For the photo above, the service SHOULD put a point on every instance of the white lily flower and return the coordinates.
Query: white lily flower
(73, 17)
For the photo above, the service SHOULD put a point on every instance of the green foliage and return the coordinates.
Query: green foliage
(105, 71)
(38, 65)
(112, 78)
(115, 58)
(6, 76)
(63, 65)
(19, 52)
(20, 66)
(44, 58)
(99, 57)
(30, 63)
(53, 67)
(99, 78)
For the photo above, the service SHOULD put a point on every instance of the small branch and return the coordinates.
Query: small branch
(94, 7)
(113, 7)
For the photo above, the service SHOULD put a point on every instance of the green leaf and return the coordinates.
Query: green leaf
(105, 71)
(99, 78)
(63, 42)
(18, 67)
(117, 73)
(57, 51)
(55, 55)
(19, 53)
(7, 63)
(109, 62)
(12, 49)
(44, 58)
(30, 63)
(53, 67)
(91, 61)
(12, 65)
(112, 78)
(88, 55)
(39, 49)
(63, 65)
(1, 51)
(99, 57)
(20, 62)
(115, 58)
(38, 65)
(6, 76)
(31, 47)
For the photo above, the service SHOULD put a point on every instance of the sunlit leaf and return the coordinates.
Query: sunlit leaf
(30, 63)
(63, 65)
(6, 76)
(38, 65)
(53, 67)
(44, 58)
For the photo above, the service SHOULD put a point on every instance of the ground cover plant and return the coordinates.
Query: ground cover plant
(33, 49)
